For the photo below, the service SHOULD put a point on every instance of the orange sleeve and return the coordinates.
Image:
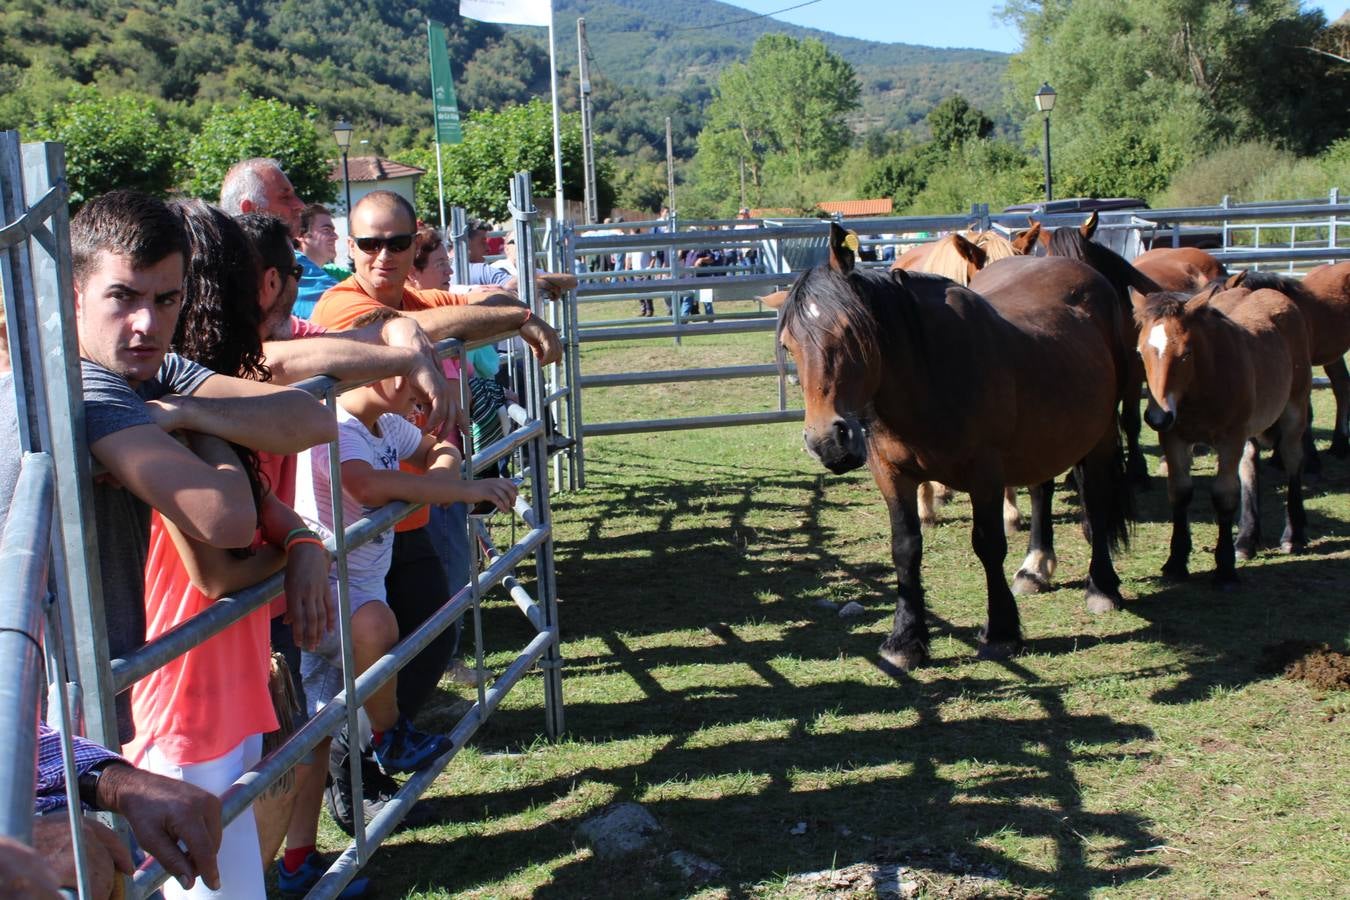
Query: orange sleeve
(341, 305)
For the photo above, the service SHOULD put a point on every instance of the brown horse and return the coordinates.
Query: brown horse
(957, 257)
(1077, 243)
(1323, 297)
(1181, 269)
(1227, 368)
(921, 379)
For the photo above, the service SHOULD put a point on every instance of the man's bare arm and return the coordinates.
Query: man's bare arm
(489, 314)
(201, 488)
(254, 414)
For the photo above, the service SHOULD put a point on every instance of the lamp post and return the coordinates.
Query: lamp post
(1045, 101)
(342, 133)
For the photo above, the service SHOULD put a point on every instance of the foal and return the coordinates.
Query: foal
(1227, 369)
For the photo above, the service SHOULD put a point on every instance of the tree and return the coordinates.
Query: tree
(260, 128)
(786, 105)
(1146, 86)
(118, 141)
(954, 121)
(497, 145)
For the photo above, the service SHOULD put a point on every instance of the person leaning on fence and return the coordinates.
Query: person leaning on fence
(373, 436)
(128, 252)
(317, 243)
(202, 717)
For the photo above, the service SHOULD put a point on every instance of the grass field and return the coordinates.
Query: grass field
(709, 678)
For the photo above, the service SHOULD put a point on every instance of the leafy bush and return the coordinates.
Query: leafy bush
(993, 172)
(1231, 170)
(261, 128)
(118, 141)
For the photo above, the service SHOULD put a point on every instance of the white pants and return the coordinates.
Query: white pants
(240, 859)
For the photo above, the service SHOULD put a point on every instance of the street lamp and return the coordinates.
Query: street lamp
(1045, 101)
(342, 133)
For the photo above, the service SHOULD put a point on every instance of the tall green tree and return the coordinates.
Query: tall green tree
(261, 128)
(1148, 85)
(497, 145)
(954, 121)
(114, 141)
(785, 108)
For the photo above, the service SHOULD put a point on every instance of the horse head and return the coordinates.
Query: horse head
(1167, 344)
(827, 325)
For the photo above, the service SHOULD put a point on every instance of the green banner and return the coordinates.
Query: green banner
(443, 87)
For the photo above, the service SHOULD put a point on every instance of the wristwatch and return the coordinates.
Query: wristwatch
(88, 781)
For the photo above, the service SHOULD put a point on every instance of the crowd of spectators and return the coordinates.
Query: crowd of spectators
(193, 322)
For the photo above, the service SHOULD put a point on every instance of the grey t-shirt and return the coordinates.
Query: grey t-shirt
(121, 518)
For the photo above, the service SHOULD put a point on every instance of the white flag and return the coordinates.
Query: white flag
(509, 12)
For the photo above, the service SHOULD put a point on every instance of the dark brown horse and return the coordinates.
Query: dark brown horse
(1077, 243)
(921, 379)
(1323, 297)
(1227, 368)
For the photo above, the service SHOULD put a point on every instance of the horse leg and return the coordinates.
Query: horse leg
(1178, 457)
(1225, 494)
(907, 644)
(1002, 633)
(927, 505)
(1339, 377)
(1012, 516)
(1039, 566)
(1295, 535)
(1312, 463)
(1131, 423)
(1249, 517)
(1107, 509)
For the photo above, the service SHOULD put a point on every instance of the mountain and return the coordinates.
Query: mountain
(658, 45)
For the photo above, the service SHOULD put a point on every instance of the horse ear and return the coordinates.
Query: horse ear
(1201, 299)
(1025, 241)
(1235, 280)
(969, 252)
(774, 300)
(842, 252)
(1089, 228)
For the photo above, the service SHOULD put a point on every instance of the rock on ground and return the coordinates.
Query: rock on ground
(851, 609)
(695, 868)
(620, 830)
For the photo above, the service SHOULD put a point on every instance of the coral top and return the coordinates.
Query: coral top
(204, 703)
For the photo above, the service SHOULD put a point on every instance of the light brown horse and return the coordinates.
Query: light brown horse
(1323, 296)
(1227, 368)
(1181, 269)
(921, 379)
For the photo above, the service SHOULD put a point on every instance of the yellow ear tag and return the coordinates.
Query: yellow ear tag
(851, 242)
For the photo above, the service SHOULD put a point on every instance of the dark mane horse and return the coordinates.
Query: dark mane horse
(1077, 243)
(921, 379)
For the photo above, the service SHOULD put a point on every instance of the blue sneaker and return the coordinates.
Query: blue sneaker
(302, 881)
(405, 749)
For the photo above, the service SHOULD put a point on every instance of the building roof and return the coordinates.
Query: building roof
(883, 207)
(373, 168)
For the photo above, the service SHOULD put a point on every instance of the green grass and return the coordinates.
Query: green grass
(1137, 754)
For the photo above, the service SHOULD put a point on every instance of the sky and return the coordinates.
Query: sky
(933, 23)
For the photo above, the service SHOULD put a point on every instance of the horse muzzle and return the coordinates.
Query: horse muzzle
(841, 448)
(1159, 419)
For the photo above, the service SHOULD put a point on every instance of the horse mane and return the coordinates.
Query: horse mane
(1164, 305)
(994, 245)
(1070, 243)
(1290, 287)
(946, 261)
(873, 304)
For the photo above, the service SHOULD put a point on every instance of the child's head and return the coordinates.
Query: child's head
(388, 395)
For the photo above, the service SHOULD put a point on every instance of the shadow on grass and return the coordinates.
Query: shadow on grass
(864, 769)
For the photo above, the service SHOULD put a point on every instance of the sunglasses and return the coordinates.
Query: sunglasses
(396, 243)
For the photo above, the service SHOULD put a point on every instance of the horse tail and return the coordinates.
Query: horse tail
(1107, 492)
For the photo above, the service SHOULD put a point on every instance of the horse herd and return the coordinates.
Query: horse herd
(979, 366)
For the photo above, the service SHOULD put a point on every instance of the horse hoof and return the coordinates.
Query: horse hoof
(1175, 572)
(1245, 554)
(928, 521)
(1292, 546)
(1098, 601)
(1028, 582)
(1340, 447)
(905, 657)
(998, 651)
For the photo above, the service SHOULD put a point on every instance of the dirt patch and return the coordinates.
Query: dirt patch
(1323, 668)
